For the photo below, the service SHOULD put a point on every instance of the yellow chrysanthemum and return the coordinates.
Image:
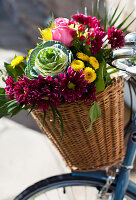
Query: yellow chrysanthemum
(28, 54)
(94, 62)
(77, 65)
(74, 26)
(16, 61)
(90, 74)
(46, 34)
(82, 56)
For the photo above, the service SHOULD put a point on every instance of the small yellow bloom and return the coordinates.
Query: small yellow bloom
(82, 56)
(77, 65)
(74, 26)
(30, 51)
(46, 34)
(16, 61)
(46, 98)
(27, 58)
(71, 86)
(94, 62)
(90, 74)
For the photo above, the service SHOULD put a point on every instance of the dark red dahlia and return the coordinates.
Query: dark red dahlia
(97, 43)
(115, 37)
(90, 94)
(72, 85)
(41, 92)
(81, 28)
(25, 91)
(80, 18)
(48, 93)
(9, 87)
(82, 38)
(93, 22)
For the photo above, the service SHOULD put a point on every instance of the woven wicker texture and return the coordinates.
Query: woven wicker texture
(102, 146)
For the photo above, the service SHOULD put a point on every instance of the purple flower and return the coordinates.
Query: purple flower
(90, 94)
(9, 87)
(72, 85)
(97, 43)
(115, 37)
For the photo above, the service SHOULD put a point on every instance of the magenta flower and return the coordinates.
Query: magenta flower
(115, 37)
(80, 18)
(40, 92)
(9, 87)
(90, 94)
(97, 43)
(72, 85)
(24, 91)
(47, 93)
(92, 22)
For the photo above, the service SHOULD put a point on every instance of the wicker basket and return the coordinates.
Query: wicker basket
(101, 147)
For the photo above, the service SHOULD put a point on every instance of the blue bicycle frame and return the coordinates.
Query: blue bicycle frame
(122, 180)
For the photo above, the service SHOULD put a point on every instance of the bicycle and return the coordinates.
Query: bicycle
(114, 185)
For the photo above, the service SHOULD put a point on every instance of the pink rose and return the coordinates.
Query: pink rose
(63, 34)
(61, 22)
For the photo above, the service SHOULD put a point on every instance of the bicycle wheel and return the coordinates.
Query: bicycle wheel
(66, 187)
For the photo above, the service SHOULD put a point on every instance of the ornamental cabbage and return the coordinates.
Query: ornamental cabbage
(48, 59)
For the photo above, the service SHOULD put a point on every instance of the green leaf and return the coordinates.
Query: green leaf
(124, 29)
(16, 110)
(92, 12)
(54, 116)
(98, 9)
(11, 72)
(16, 71)
(110, 21)
(61, 122)
(9, 107)
(133, 59)
(2, 90)
(50, 23)
(119, 26)
(109, 67)
(94, 114)
(105, 16)
(114, 71)
(99, 84)
(31, 110)
(113, 23)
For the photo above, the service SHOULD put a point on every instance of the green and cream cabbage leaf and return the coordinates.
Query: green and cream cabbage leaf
(48, 59)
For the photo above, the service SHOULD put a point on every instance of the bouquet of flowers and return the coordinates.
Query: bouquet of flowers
(68, 66)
